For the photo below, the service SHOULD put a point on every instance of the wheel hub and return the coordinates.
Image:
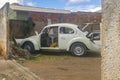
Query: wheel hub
(27, 47)
(78, 51)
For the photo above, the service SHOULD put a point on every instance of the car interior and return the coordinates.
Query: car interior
(49, 37)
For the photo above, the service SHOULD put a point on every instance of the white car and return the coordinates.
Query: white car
(61, 36)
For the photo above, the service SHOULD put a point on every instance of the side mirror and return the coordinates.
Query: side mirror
(36, 32)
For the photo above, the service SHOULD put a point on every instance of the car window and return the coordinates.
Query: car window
(66, 30)
(46, 30)
(53, 30)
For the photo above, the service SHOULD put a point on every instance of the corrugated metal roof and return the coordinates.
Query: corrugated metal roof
(37, 9)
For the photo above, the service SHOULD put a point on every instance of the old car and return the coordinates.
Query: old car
(61, 36)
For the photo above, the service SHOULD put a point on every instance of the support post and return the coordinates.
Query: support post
(110, 67)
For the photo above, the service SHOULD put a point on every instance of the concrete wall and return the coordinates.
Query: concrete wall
(12, 14)
(22, 15)
(111, 40)
(4, 30)
(17, 28)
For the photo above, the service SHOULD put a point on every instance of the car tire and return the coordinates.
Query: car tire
(29, 46)
(78, 49)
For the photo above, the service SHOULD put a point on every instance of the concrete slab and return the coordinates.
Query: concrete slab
(11, 70)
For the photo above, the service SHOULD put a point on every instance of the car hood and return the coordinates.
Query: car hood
(21, 41)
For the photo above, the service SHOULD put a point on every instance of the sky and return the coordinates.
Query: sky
(72, 5)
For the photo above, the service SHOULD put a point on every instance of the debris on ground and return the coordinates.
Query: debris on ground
(17, 52)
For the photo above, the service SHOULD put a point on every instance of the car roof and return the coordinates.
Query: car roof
(63, 24)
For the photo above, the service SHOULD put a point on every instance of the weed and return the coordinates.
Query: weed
(46, 57)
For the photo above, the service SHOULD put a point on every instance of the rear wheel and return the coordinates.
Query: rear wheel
(78, 49)
(29, 46)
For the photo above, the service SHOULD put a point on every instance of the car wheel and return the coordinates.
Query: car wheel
(29, 46)
(78, 49)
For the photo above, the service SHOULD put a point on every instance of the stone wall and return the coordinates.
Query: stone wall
(110, 40)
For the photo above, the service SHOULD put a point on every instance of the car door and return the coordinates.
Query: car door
(65, 35)
(49, 37)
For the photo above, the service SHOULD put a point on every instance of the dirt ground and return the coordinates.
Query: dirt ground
(1, 57)
(62, 66)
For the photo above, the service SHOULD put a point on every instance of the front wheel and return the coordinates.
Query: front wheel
(78, 49)
(29, 46)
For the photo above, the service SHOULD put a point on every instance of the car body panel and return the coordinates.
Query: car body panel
(32, 39)
(89, 44)
(64, 40)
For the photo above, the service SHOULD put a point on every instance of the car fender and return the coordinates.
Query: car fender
(89, 44)
(33, 41)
